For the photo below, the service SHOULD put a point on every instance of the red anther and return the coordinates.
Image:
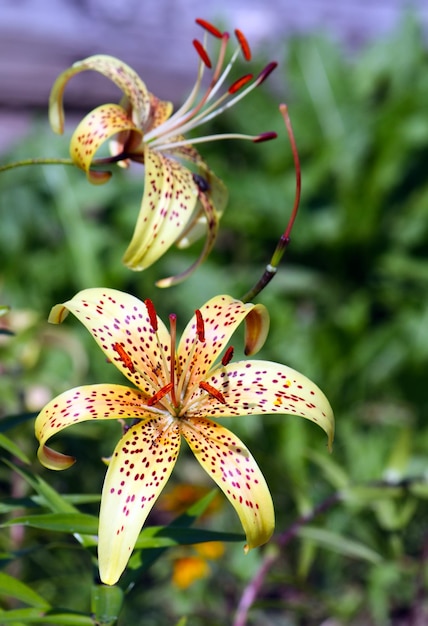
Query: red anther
(245, 46)
(213, 392)
(203, 54)
(265, 137)
(227, 356)
(209, 27)
(200, 326)
(266, 71)
(124, 357)
(238, 84)
(159, 394)
(151, 311)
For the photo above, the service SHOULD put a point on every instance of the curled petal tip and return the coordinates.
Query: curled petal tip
(256, 329)
(54, 460)
(58, 314)
(97, 177)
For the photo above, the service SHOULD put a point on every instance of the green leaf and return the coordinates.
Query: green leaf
(50, 498)
(166, 536)
(60, 522)
(13, 449)
(35, 616)
(338, 543)
(14, 588)
(15, 420)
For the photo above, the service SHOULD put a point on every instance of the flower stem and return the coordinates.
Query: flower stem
(284, 240)
(57, 161)
(36, 161)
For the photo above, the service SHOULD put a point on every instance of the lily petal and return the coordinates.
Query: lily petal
(255, 387)
(231, 465)
(89, 402)
(222, 316)
(117, 319)
(120, 73)
(212, 223)
(94, 130)
(138, 470)
(169, 200)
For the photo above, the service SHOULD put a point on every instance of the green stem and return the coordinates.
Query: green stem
(284, 240)
(36, 161)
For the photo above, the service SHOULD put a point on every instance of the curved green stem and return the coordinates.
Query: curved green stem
(57, 161)
(284, 240)
(35, 161)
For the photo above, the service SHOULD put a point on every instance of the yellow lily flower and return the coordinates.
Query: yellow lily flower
(182, 197)
(177, 389)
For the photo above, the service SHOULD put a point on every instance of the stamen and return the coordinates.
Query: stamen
(243, 42)
(159, 394)
(203, 54)
(209, 27)
(265, 72)
(265, 137)
(212, 391)
(151, 311)
(173, 332)
(200, 327)
(124, 357)
(228, 355)
(236, 86)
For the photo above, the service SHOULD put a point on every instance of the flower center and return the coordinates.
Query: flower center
(173, 377)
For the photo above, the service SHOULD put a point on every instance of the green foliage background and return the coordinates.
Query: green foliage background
(349, 308)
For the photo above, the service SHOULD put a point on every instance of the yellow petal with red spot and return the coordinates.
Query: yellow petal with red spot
(233, 468)
(89, 402)
(120, 73)
(121, 325)
(222, 316)
(256, 387)
(94, 130)
(138, 470)
(211, 223)
(170, 196)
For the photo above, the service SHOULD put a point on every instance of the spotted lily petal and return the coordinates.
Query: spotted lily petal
(89, 402)
(94, 130)
(255, 387)
(120, 73)
(168, 204)
(221, 316)
(118, 319)
(231, 465)
(138, 470)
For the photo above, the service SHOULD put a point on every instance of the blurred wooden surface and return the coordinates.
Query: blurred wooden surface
(40, 38)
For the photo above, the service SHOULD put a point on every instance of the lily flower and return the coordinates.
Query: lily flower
(176, 391)
(182, 196)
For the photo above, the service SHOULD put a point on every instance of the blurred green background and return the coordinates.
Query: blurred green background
(349, 308)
